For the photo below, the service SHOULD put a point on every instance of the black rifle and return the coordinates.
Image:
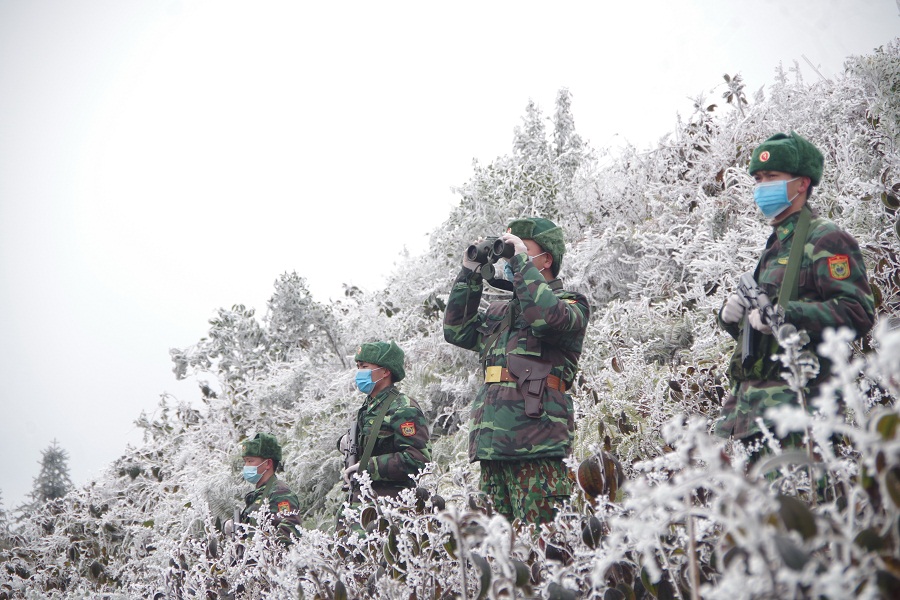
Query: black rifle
(770, 314)
(351, 454)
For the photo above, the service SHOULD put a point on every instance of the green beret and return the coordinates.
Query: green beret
(384, 354)
(788, 153)
(264, 445)
(545, 233)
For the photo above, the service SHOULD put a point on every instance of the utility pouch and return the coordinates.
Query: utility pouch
(531, 376)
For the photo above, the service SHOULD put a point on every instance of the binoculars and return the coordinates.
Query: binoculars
(490, 250)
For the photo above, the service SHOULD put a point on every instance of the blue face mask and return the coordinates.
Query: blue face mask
(364, 381)
(772, 197)
(508, 272)
(251, 473)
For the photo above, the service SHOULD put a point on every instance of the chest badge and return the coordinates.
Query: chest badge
(408, 429)
(782, 261)
(839, 266)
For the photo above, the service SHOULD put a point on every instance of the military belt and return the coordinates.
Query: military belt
(498, 374)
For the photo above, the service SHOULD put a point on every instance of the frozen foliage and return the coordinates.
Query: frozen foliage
(53, 480)
(655, 239)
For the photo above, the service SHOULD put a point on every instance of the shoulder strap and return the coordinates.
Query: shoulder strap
(788, 290)
(376, 427)
(504, 326)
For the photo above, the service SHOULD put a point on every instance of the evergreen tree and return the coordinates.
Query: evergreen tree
(4, 525)
(53, 481)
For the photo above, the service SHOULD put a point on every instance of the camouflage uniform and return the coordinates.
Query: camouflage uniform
(833, 291)
(283, 506)
(521, 457)
(403, 445)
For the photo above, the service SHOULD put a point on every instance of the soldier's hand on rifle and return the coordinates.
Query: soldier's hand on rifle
(228, 528)
(516, 241)
(756, 322)
(349, 471)
(734, 309)
(344, 444)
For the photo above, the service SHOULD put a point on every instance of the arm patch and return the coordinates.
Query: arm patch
(839, 266)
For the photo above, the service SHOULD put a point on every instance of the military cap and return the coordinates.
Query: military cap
(788, 153)
(263, 445)
(384, 354)
(545, 233)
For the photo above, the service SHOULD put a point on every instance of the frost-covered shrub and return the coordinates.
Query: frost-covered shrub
(655, 240)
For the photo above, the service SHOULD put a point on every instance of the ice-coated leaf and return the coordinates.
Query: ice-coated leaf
(797, 516)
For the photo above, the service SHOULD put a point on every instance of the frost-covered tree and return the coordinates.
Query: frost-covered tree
(53, 480)
(238, 347)
(5, 530)
(654, 238)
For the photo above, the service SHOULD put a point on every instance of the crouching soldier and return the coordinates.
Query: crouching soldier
(262, 457)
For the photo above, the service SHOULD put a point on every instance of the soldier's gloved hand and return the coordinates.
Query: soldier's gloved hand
(349, 471)
(228, 528)
(516, 241)
(344, 444)
(756, 322)
(734, 309)
(470, 264)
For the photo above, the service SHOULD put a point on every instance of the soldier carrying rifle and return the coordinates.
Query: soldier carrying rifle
(389, 437)
(810, 275)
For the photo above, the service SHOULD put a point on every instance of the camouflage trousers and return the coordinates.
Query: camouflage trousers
(791, 442)
(528, 490)
(825, 487)
(749, 401)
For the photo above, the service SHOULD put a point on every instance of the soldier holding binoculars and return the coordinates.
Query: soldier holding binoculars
(522, 421)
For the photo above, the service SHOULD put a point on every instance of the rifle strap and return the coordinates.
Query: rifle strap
(491, 341)
(376, 427)
(789, 290)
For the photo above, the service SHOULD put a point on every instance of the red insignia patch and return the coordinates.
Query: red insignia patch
(284, 506)
(408, 429)
(764, 156)
(839, 266)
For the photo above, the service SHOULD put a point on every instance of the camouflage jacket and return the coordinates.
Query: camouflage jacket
(283, 506)
(833, 291)
(402, 446)
(541, 320)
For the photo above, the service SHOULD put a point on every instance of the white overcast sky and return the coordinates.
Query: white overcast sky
(161, 159)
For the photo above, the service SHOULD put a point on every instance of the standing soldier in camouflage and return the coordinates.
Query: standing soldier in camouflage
(522, 422)
(400, 445)
(831, 288)
(262, 457)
